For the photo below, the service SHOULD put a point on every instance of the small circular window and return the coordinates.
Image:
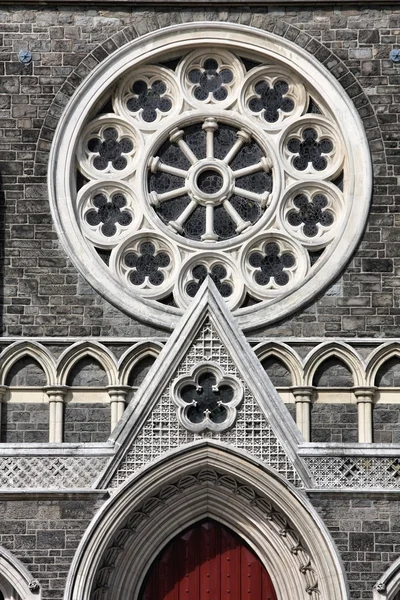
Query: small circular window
(222, 151)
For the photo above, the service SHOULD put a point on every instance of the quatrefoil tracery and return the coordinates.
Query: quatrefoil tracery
(207, 399)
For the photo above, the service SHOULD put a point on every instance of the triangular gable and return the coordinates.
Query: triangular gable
(150, 426)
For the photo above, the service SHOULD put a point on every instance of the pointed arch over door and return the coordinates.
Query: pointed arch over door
(207, 561)
(206, 480)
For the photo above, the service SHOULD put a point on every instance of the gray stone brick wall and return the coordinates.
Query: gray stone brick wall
(26, 371)
(44, 535)
(25, 422)
(44, 295)
(366, 532)
(87, 372)
(388, 374)
(334, 423)
(87, 422)
(386, 420)
(278, 373)
(333, 373)
(140, 370)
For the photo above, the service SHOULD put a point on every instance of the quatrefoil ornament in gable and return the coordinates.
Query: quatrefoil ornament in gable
(207, 399)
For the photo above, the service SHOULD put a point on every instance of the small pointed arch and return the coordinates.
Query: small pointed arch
(70, 357)
(19, 350)
(388, 586)
(343, 353)
(380, 358)
(15, 579)
(285, 355)
(135, 355)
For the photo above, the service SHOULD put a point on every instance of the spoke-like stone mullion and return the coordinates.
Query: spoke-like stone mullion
(210, 125)
(176, 137)
(264, 165)
(241, 224)
(155, 164)
(177, 225)
(261, 199)
(156, 199)
(209, 235)
(243, 138)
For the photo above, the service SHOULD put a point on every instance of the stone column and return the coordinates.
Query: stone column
(56, 396)
(365, 399)
(118, 396)
(3, 391)
(303, 399)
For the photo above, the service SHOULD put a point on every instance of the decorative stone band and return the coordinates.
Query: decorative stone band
(349, 470)
(49, 472)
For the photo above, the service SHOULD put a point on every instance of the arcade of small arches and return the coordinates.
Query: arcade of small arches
(88, 376)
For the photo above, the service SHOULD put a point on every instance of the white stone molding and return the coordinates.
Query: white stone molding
(365, 399)
(160, 246)
(287, 355)
(151, 76)
(207, 332)
(388, 586)
(324, 128)
(378, 357)
(298, 78)
(118, 396)
(195, 61)
(206, 480)
(313, 192)
(56, 395)
(206, 422)
(97, 129)
(16, 582)
(35, 350)
(97, 351)
(272, 74)
(339, 350)
(135, 354)
(303, 397)
(94, 194)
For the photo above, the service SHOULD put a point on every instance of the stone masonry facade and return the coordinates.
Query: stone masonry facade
(43, 296)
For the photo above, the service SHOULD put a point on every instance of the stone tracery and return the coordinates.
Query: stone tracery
(215, 149)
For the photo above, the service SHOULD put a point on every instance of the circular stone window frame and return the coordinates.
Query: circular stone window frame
(179, 39)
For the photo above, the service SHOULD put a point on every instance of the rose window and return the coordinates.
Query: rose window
(224, 160)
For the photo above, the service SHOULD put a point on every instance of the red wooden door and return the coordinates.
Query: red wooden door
(207, 562)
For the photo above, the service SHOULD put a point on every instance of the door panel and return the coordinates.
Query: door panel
(208, 561)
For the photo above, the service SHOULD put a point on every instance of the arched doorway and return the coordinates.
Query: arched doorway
(207, 561)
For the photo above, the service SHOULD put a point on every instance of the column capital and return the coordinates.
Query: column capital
(3, 391)
(303, 393)
(364, 394)
(56, 390)
(119, 390)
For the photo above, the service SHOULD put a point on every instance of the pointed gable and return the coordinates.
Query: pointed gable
(207, 339)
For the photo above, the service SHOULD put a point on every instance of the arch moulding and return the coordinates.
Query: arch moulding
(206, 480)
(15, 577)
